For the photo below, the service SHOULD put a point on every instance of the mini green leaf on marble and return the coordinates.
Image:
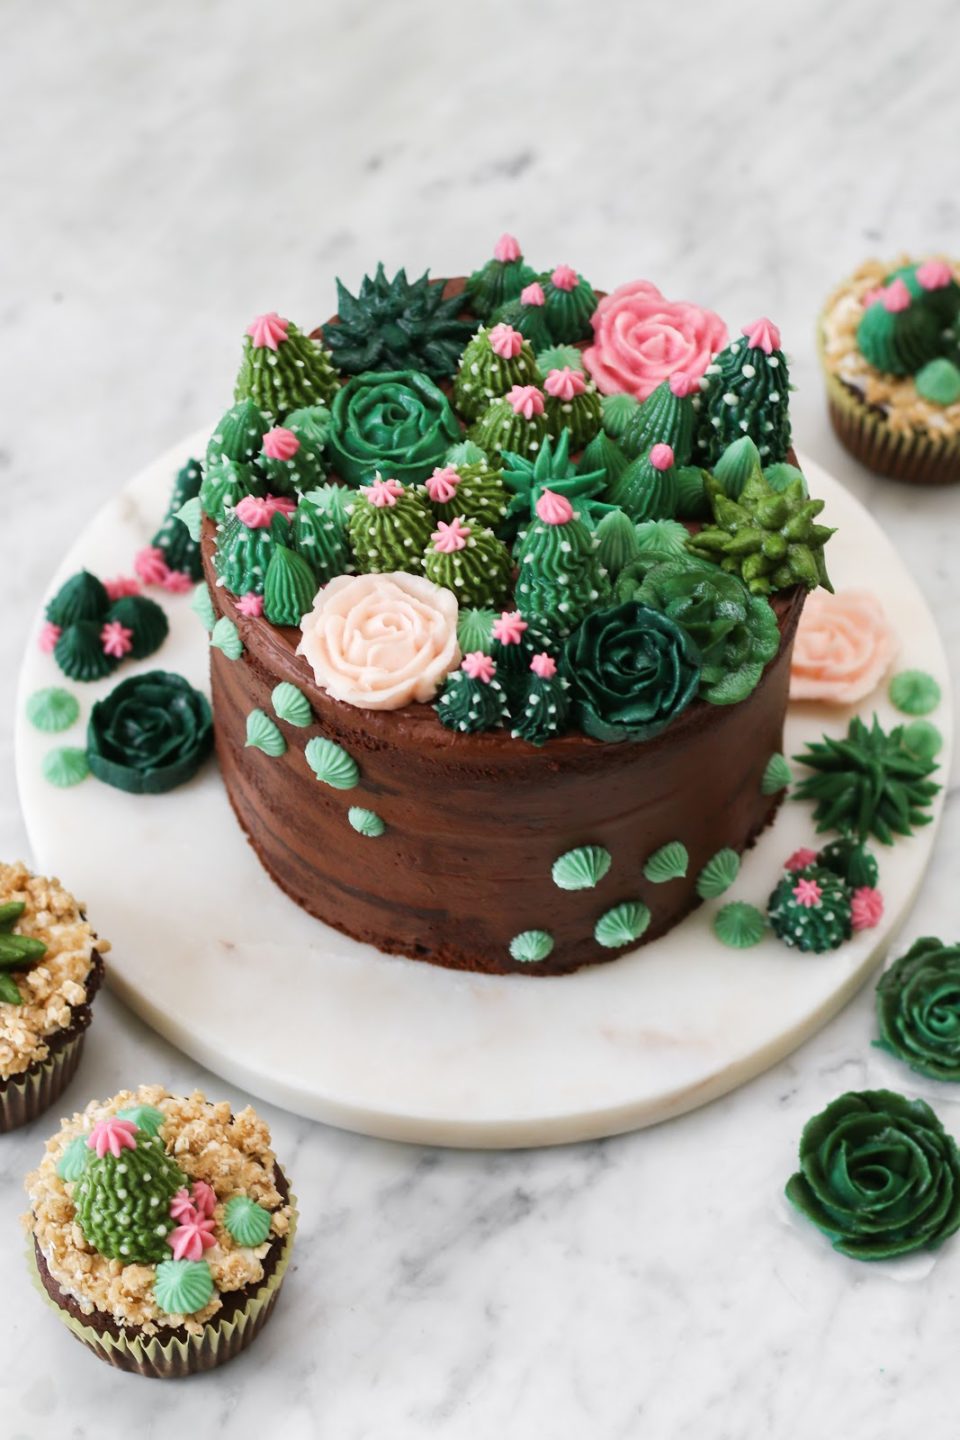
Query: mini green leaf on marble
(739, 925)
(777, 775)
(581, 869)
(531, 946)
(914, 692)
(191, 513)
(247, 1222)
(331, 764)
(622, 925)
(668, 863)
(52, 710)
(718, 874)
(226, 637)
(366, 822)
(264, 734)
(291, 705)
(65, 767)
(201, 603)
(922, 739)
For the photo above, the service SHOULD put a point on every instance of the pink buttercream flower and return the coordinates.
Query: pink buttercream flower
(383, 492)
(121, 586)
(844, 645)
(866, 908)
(48, 637)
(870, 297)
(525, 400)
(564, 384)
(112, 1134)
(934, 274)
(544, 665)
(800, 859)
(682, 384)
(554, 509)
(182, 1207)
(443, 484)
(508, 628)
(450, 537)
(641, 338)
(280, 444)
(479, 666)
(505, 341)
(177, 582)
(189, 1240)
(150, 565)
(251, 606)
(532, 294)
(896, 297)
(281, 504)
(116, 639)
(762, 335)
(254, 511)
(268, 331)
(204, 1197)
(661, 457)
(507, 249)
(807, 892)
(565, 277)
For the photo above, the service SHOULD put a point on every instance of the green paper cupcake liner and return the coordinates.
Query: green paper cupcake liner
(24, 1097)
(175, 1356)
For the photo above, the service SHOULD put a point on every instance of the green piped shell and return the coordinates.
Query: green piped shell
(581, 869)
(247, 1222)
(146, 1117)
(622, 925)
(475, 629)
(201, 604)
(52, 710)
(558, 357)
(739, 925)
(73, 1161)
(191, 515)
(914, 692)
(922, 739)
(264, 734)
(777, 775)
(182, 1287)
(668, 863)
(718, 874)
(531, 946)
(291, 705)
(331, 763)
(366, 822)
(65, 767)
(226, 637)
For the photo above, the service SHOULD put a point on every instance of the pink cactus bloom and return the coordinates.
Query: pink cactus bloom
(383, 493)
(479, 666)
(934, 274)
(450, 537)
(800, 859)
(121, 586)
(661, 457)
(872, 296)
(177, 582)
(443, 484)
(189, 1240)
(896, 297)
(280, 444)
(554, 509)
(807, 893)
(565, 277)
(762, 335)
(204, 1197)
(682, 384)
(544, 665)
(508, 628)
(182, 1207)
(48, 637)
(112, 1134)
(525, 400)
(254, 511)
(150, 564)
(532, 294)
(507, 249)
(268, 331)
(505, 341)
(250, 606)
(564, 384)
(116, 639)
(281, 505)
(866, 908)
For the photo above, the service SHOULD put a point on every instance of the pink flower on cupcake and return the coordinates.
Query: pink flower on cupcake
(641, 338)
(844, 647)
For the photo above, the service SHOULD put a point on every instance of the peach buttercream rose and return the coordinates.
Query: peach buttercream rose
(641, 338)
(381, 641)
(844, 646)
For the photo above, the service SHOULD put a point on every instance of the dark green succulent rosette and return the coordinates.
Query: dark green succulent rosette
(918, 1009)
(770, 538)
(878, 1175)
(397, 324)
(151, 733)
(633, 671)
(395, 422)
(867, 783)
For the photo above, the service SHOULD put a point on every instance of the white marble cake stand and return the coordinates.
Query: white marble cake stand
(209, 952)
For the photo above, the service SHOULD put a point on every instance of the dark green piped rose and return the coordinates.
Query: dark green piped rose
(152, 732)
(879, 1175)
(633, 670)
(918, 1009)
(395, 422)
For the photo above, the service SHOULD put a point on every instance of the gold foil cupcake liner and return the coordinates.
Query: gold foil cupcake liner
(173, 1357)
(24, 1097)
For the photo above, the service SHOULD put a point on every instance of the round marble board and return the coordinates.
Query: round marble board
(211, 953)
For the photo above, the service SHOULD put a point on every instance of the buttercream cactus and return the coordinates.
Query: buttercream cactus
(472, 490)
(390, 528)
(605, 455)
(501, 279)
(319, 533)
(569, 302)
(526, 478)
(770, 538)
(898, 332)
(470, 561)
(514, 642)
(282, 369)
(290, 462)
(124, 1192)
(527, 314)
(810, 910)
(933, 282)
(493, 362)
(397, 324)
(647, 489)
(174, 541)
(472, 697)
(246, 541)
(238, 435)
(516, 422)
(288, 587)
(572, 404)
(561, 579)
(867, 782)
(746, 393)
(542, 711)
(666, 417)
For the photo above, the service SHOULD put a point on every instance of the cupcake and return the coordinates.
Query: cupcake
(50, 970)
(889, 341)
(160, 1230)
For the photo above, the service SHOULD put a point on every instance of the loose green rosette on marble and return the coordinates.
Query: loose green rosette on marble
(878, 1175)
(918, 1009)
(151, 733)
(395, 422)
(633, 671)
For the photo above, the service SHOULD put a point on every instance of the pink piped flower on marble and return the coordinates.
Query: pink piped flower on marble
(116, 640)
(934, 274)
(182, 1207)
(564, 384)
(661, 457)
(443, 484)
(479, 666)
(112, 1134)
(384, 494)
(565, 277)
(509, 627)
(800, 859)
(505, 341)
(204, 1197)
(762, 335)
(280, 444)
(450, 536)
(48, 637)
(151, 566)
(254, 511)
(896, 297)
(554, 509)
(177, 582)
(640, 339)
(807, 892)
(544, 666)
(269, 331)
(866, 908)
(250, 606)
(507, 249)
(121, 586)
(843, 647)
(525, 400)
(189, 1240)
(532, 294)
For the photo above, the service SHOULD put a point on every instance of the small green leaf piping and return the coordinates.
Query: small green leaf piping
(201, 603)
(922, 739)
(226, 637)
(9, 915)
(9, 991)
(146, 1117)
(668, 863)
(247, 1222)
(914, 692)
(718, 874)
(366, 822)
(581, 869)
(73, 1161)
(739, 925)
(264, 734)
(531, 946)
(182, 1287)
(65, 766)
(777, 776)
(622, 925)
(331, 764)
(52, 710)
(291, 705)
(191, 514)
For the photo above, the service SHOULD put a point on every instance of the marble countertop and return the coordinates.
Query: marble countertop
(170, 170)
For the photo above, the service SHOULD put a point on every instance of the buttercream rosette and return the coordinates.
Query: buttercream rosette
(641, 338)
(844, 647)
(380, 642)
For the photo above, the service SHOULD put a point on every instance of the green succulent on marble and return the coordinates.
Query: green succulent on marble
(867, 783)
(397, 324)
(770, 539)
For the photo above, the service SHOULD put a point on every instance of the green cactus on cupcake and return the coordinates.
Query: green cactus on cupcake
(123, 1195)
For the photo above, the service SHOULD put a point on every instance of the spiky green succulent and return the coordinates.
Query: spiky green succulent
(867, 783)
(550, 469)
(397, 324)
(770, 539)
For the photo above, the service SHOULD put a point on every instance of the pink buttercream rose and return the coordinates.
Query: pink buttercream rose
(844, 646)
(641, 338)
(381, 641)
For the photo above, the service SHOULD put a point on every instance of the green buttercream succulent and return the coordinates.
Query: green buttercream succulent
(541, 711)
(145, 619)
(484, 373)
(122, 1199)
(867, 783)
(878, 1175)
(151, 733)
(239, 435)
(561, 579)
(476, 491)
(736, 465)
(173, 539)
(918, 1009)
(289, 587)
(247, 1222)
(475, 629)
(529, 318)
(619, 545)
(664, 418)
(852, 861)
(397, 325)
(498, 281)
(558, 357)
(692, 502)
(569, 302)
(633, 670)
(393, 422)
(292, 463)
(243, 552)
(573, 406)
(942, 299)
(604, 455)
(736, 633)
(471, 704)
(226, 482)
(282, 369)
(319, 534)
(182, 1287)
(80, 654)
(82, 597)
(390, 528)
(618, 414)
(551, 469)
(504, 425)
(471, 562)
(810, 910)
(514, 644)
(898, 342)
(939, 382)
(781, 476)
(17, 952)
(745, 392)
(771, 540)
(647, 488)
